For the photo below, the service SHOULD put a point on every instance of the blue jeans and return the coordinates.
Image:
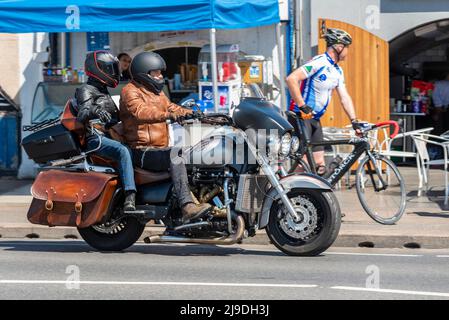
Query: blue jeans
(114, 150)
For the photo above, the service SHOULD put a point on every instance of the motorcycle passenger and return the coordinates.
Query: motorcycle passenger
(319, 77)
(95, 102)
(144, 110)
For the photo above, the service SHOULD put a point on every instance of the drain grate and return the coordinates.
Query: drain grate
(366, 244)
(412, 245)
(70, 236)
(32, 236)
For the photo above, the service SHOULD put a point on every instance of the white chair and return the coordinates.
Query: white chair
(384, 148)
(421, 142)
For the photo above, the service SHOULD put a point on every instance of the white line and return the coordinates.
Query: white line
(443, 256)
(210, 284)
(373, 254)
(417, 293)
(346, 253)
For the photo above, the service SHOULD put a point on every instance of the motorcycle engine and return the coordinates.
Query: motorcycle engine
(207, 187)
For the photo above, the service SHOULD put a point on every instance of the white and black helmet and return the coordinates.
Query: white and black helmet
(335, 36)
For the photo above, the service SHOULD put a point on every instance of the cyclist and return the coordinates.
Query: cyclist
(318, 78)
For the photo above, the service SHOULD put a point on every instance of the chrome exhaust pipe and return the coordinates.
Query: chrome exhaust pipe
(229, 240)
(192, 225)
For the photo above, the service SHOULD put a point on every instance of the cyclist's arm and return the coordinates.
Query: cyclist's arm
(293, 81)
(346, 101)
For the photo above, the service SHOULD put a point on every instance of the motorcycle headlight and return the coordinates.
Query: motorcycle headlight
(286, 144)
(295, 144)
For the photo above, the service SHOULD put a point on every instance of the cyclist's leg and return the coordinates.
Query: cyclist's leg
(307, 133)
(318, 151)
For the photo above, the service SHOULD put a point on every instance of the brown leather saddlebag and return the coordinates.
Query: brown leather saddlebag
(73, 199)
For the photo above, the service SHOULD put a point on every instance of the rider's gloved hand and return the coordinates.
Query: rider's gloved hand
(174, 117)
(357, 125)
(306, 112)
(103, 115)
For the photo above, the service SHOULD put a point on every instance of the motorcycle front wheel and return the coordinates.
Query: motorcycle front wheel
(113, 236)
(314, 232)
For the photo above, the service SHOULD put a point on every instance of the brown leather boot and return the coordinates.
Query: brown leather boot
(193, 211)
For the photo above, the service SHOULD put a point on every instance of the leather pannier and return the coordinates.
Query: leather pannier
(73, 199)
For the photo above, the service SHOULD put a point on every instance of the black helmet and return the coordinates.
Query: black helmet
(141, 66)
(337, 36)
(103, 66)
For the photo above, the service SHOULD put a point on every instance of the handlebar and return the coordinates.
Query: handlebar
(210, 118)
(388, 123)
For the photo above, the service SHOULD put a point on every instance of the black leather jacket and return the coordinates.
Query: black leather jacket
(94, 96)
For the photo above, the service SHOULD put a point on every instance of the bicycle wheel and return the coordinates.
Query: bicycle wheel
(384, 203)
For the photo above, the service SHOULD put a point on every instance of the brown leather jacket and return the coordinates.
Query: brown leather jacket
(143, 114)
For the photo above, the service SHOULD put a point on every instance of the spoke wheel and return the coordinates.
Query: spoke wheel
(384, 203)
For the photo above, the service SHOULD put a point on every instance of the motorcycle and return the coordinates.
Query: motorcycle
(244, 185)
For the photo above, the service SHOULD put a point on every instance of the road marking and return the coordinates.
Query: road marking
(417, 293)
(152, 283)
(442, 256)
(373, 254)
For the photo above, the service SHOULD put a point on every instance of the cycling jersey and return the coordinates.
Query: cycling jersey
(323, 76)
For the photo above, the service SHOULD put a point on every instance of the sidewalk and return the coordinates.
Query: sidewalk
(425, 223)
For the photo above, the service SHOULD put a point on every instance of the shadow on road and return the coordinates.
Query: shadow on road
(430, 214)
(155, 249)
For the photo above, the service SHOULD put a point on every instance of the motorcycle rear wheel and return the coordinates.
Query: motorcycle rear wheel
(116, 237)
(315, 233)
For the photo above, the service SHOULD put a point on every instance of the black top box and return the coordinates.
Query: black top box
(51, 143)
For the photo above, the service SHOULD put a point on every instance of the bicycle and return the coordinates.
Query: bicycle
(378, 189)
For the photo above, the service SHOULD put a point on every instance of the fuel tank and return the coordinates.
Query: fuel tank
(257, 113)
(224, 147)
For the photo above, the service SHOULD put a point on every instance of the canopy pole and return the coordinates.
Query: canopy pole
(213, 53)
(281, 67)
(63, 49)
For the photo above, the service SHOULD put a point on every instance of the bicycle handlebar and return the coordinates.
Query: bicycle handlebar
(387, 123)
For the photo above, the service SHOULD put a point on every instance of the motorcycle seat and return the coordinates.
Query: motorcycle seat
(142, 176)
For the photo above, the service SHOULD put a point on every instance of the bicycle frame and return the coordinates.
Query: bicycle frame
(361, 146)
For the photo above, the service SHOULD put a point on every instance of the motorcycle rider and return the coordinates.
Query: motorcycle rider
(144, 110)
(95, 102)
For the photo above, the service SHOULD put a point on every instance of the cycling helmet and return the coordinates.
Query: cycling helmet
(141, 66)
(337, 36)
(103, 66)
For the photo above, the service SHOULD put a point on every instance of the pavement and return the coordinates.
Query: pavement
(425, 223)
(70, 269)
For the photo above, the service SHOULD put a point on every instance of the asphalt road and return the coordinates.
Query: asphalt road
(37, 269)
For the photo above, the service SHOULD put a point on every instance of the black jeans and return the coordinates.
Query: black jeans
(166, 159)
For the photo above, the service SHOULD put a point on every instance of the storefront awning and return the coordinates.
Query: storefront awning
(20, 16)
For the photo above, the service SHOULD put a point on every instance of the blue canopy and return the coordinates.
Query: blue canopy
(19, 16)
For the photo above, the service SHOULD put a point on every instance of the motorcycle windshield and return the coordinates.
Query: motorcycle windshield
(256, 114)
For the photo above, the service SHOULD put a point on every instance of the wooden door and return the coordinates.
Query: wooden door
(367, 76)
